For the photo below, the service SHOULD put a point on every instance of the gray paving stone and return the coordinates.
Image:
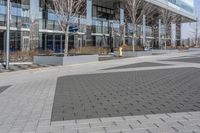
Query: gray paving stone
(27, 106)
(3, 88)
(93, 130)
(19, 67)
(127, 94)
(187, 60)
(143, 64)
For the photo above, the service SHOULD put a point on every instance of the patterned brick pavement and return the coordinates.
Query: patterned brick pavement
(26, 106)
(127, 94)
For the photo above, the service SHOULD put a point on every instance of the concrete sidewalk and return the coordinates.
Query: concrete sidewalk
(27, 102)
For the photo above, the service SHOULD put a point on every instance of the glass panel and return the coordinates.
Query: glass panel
(105, 27)
(99, 41)
(1, 42)
(97, 26)
(2, 20)
(44, 41)
(50, 25)
(63, 44)
(49, 42)
(15, 40)
(57, 26)
(149, 31)
(57, 43)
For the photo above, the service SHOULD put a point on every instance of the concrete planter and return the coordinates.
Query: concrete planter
(133, 54)
(66, 60)
(157, 52)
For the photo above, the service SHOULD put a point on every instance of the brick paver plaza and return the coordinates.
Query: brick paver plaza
(127, 93)
(154, 94)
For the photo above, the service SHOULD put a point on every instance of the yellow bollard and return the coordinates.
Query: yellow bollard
(120, 51)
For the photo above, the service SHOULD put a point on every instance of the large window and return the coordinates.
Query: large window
(102, 12)
(187, 5)
(20, 12)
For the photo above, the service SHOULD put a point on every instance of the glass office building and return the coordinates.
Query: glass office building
(34, 26)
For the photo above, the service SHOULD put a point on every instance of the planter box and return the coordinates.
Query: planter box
(66, 60)
(133, 54)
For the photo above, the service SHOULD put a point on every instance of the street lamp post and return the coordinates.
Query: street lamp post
(159, 33)
(8, 34)
(111, 36)
(197, 31)
(144, 30)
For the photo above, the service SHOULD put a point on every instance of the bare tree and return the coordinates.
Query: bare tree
(135, 11)
(34, 26)
(197, 29)
(66, 11)
(132, 7)
(192, 34)
(167, 17)
(194, 30)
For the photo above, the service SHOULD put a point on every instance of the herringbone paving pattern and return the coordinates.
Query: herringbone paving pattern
(127, 94)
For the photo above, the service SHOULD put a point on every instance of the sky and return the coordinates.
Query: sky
(188, 29)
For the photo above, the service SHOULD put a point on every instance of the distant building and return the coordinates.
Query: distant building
(31, 16)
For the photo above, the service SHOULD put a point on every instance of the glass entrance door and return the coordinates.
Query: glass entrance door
(1, 41)
(50, 42)
(2, 46)
(53, 42)
(25, 44)
(80, 42)
(15, 41)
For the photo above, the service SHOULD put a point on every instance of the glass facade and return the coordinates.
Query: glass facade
(187, 5)
(34, 26)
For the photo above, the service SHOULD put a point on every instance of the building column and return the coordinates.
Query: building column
(45, 42)
(178, 34)
(89, 22)
(54, 44)
(122, 21)
(61, 43)
(159, 32)
(173, 34)
(34, 24)
(144, 30)
(122, 12)
(89, 12)
(40, 42)
(4, 47)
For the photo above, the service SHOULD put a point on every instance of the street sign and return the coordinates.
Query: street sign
(73, 28)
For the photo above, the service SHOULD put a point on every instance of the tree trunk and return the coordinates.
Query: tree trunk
(165, 37)
(165, 43)
(123, 39)
(133, 36)
(133, 42)
(66, 41)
